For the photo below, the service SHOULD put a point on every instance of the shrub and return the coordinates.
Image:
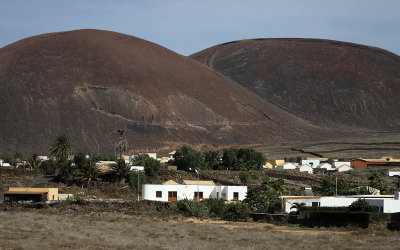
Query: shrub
(237, 211)
(133, 180)
(216, 207)
(192, 208)
(244, 177)
(255, 176)
(152, 167)
(362, 205)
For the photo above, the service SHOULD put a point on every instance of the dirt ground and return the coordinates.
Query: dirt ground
(50, 229)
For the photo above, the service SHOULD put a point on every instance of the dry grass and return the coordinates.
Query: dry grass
(44, 230)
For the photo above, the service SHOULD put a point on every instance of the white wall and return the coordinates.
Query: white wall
(187, 191)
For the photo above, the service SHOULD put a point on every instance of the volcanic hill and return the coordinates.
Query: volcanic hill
(88, 83)
(334, 84)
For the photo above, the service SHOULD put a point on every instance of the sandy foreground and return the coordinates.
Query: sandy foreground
(47, 230)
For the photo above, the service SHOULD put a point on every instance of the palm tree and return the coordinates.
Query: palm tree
(62, 148)
(34, 162)
(122, 144)
(211, 159)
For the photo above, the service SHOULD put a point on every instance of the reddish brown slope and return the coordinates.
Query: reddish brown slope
(87, 83)
(332, 83)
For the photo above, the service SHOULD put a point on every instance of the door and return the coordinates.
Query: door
(172, 195)
(235, 196)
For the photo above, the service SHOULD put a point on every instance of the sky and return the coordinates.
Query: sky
(188, 26)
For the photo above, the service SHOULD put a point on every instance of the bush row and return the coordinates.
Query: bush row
(215, 208)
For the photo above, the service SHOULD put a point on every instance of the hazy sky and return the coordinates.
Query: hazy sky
(187, 26)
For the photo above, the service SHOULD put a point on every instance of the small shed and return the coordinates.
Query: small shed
(394, 172)
(286, 166)
(343, 168)
(305, 168)
(15, 194)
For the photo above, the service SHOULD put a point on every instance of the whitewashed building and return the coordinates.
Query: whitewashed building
(305, 168)
(337, 164)
(326, 166)
(344, 168)
(286, 166)
(385, 203)
(394, 172)
(311, 162)
(137, 168)
(192, 190)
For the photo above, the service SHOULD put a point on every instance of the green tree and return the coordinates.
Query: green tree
(229, 158)
(187, 158)
(140, 159)
(87, 171)
(211, 159)
(48, 167)
(266, 198)
(328, 186)
(152, 167)
(134, 177)
(120, 171)
(242, 159)
(62, 148)
(121, 146)
(376, 181)
(33, 161)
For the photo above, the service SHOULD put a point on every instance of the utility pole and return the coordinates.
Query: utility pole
(336, 186)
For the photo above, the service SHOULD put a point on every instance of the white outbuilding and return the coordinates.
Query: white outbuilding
(311, 162)
(344, 168)
(325, 165)
(305, 168)
(286, 166)
(394, 172)
(192, 190)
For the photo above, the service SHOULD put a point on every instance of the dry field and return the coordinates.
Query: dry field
(49, 229)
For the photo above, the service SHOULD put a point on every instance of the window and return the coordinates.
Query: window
(217, 195)
(315, 204)
(198, 196)
(53, 197)
(235, 196)
(172, 195)
(158, 194)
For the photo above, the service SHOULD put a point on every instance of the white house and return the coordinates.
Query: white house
(337, 164)
(312, 162)
(305, 168)
(286, 166)
(137, 168)
(192, 190)
(344, 168)
(385, 203)
(327, 166)
(394, 172)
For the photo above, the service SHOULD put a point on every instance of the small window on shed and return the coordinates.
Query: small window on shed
(315, 204)
(235, 196)
(158, 194)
